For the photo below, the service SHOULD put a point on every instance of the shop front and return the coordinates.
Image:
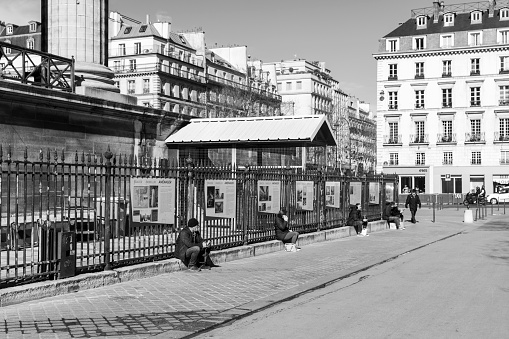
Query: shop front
(410, 178)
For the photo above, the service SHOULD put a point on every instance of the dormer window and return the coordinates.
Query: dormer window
(33, 27)
(422, 21)
(476, 17)
(419, 43)
(392, 45)
(10, 29)
(474, 39)
(504, 14)
(448, 19)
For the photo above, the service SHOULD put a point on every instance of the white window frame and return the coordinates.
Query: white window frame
(475, 38)
(416, 46)
(132, 64)
(419, 98)
(393, 100)
(504, 157)
(30, 43)
(446, 67)
(503, 126)
(419, 69)
(7, 50)
(288, 86)
(420, 158)
(504, 14)
(476, 17)
(392, 45)
(504, 95)
(448, 19)
(137, 48)
(475, 96)
(447, 44)
(504, 64)
(503, 36)
(10, 29)
(393, 158)
(421, 21)
(476, 158)
(121, 49)
(447, 97)
(32, 27)
(393, 71)
(448, 158)
(475, 66)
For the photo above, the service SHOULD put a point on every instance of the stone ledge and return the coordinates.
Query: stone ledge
(44, 289)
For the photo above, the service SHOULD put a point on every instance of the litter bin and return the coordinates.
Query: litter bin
(58, 251)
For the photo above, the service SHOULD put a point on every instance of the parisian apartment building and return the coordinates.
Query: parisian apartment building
(26, 36)
(308, 88)
(443, 98)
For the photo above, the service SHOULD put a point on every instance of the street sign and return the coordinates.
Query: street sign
(447, 177)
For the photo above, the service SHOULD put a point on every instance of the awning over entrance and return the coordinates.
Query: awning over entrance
(280, 131)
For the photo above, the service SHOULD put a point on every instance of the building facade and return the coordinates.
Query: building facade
(308, 88)
(443, 96)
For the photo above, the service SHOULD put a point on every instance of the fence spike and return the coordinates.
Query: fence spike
(9, 153)
(63, 155)
(25, 153)
(76, 157)
(83, 156)
(1, 154)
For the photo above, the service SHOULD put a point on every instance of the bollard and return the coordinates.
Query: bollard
(433, 204)
(467, 216)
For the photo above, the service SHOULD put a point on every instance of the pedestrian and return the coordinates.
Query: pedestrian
(393, 214)
(355, 218)
(191, 248)
(283, 232)
(412, 201)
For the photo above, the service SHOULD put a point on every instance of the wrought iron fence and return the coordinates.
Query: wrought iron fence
(46, 196)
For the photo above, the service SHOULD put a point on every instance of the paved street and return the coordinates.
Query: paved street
(179, 304)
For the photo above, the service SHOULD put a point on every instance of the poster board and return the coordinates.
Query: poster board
(389, 191)
(332, 194)
(153, 200)
(269, 196)
(374, 193)
(220, 198)
(304, 191)
(355, 192)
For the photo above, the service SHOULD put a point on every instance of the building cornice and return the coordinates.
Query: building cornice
(432, 53)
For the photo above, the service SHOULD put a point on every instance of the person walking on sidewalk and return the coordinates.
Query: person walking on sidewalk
(412, 201)
(190, 246)
(283, 232)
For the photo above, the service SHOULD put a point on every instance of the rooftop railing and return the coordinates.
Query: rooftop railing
(28, 66)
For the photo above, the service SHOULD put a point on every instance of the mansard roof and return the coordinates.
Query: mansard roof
(462, 22)
(148, 30)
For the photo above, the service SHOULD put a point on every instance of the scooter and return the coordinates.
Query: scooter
(473, 199)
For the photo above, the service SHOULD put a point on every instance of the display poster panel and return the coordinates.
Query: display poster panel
(269, 196)
(389, 191)
(374, 193)
(304, 191)
(355, 193)
(221, 198)
(153, 200)
(332, 194)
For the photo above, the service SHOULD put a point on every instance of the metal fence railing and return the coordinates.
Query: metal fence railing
(45, 201)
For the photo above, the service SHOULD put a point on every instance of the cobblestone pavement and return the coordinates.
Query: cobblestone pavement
(176, 305)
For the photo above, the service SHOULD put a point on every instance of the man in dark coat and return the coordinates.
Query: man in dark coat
(282, 230)
(412, 201)
(190, 246)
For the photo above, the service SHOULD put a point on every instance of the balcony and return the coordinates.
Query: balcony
(475, 72)
(157, 67)
(392, 77)
(475, 103)
(475, 138)
(393, 107)
(419, 76)
(392, 139)
(501, 137)
(419, 139)
(446, 75)
(445, 138)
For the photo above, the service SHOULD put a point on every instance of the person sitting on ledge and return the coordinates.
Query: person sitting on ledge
(393, 214)
(355, 218)
(190, 247)
(283, 232)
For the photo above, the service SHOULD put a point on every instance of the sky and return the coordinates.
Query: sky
(342, 33)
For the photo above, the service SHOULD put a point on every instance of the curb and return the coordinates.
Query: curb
(44, 289)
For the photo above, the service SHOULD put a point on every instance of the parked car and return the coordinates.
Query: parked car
(501, 196)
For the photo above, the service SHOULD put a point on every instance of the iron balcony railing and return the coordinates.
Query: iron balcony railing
(36, 68)
(475, 137)
(446, 138)
(169, 51)
(502, 137)
(158, 67)
(260, 90)
(392, 139)
(419, 138)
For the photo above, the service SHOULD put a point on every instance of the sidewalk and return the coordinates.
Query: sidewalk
(180, 304)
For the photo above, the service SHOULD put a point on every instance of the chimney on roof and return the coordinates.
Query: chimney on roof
(491, 8)
(437, 6)
(148, 19)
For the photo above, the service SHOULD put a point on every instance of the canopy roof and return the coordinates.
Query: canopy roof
(265, 132)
